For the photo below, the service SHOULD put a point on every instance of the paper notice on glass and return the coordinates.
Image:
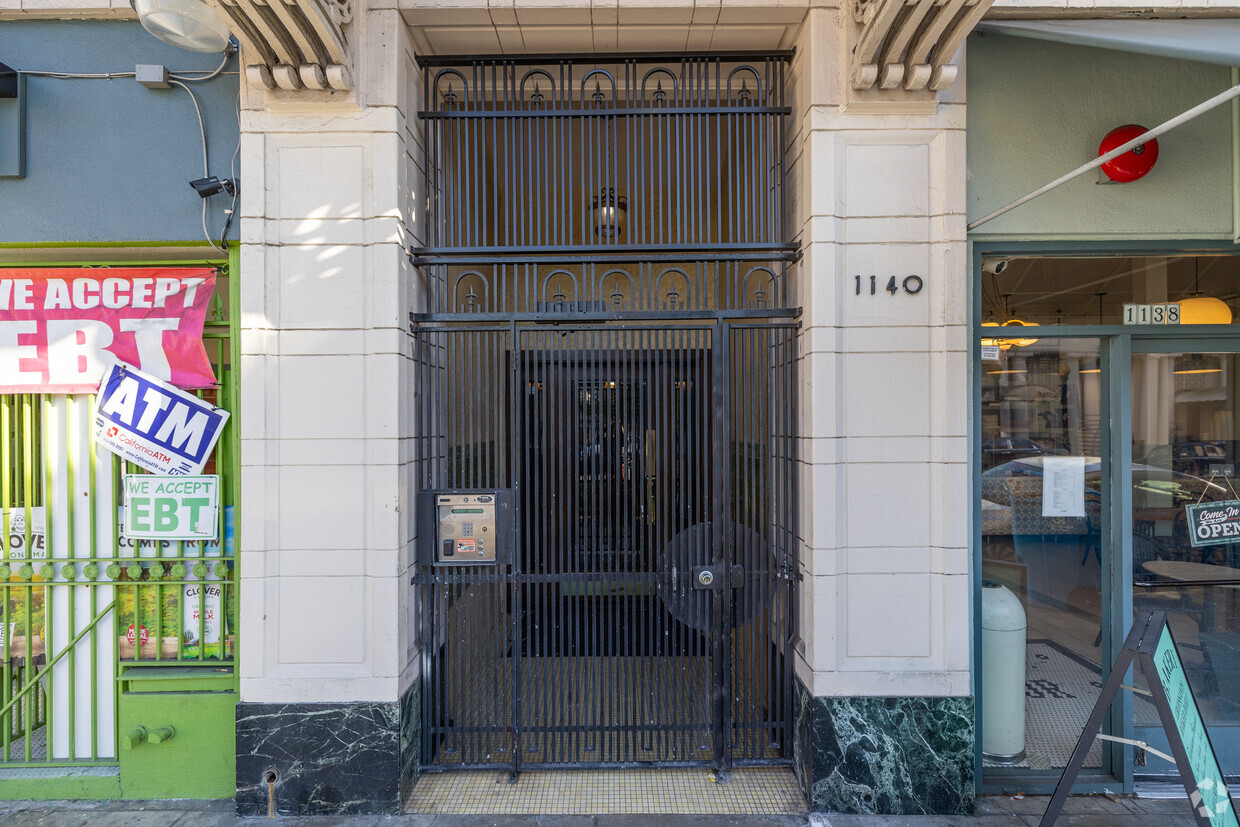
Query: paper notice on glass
(1063, 486)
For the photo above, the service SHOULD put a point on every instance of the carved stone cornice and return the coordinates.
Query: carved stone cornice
(908, 43)
(299, 44)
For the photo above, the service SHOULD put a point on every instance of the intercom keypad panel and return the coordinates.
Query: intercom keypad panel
(466, 529)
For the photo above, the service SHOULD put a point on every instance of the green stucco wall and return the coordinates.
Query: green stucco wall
(1038, 109)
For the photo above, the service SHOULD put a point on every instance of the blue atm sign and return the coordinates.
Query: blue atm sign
(153, 424)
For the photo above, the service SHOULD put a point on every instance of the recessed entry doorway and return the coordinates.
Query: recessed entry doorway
(606, 345)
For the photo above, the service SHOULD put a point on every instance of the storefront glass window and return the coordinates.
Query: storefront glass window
(1041, 514)
(1185, 513)
(1052, 580)
(1088, 291)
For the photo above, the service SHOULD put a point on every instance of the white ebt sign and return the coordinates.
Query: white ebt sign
(171, 508)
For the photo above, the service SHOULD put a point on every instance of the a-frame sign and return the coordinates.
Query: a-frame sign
(1152, 647)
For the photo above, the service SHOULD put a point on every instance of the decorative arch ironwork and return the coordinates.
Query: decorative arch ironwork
(687, 151)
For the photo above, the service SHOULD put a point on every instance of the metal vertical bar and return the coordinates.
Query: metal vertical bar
(590, 539)
(579, 609)
(70, 590)
(7, 463)
(559, 503)
(740, 473)
(649, 551)
(49, 632)
(693, 690)
(672, 742)
(721, 554)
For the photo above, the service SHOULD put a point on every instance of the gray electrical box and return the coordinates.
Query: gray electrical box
(152, 75)
(465, 527)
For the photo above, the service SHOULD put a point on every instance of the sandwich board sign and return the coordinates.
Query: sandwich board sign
(154, 424)
(1151, 646)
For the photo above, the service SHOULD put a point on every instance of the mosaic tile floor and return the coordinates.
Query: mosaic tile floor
(753, 790)
(1061, 689)
(1060, 692)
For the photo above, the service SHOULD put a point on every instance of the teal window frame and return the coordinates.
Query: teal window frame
(1116, 349)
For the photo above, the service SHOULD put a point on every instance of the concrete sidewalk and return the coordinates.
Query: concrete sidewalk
(992, 811)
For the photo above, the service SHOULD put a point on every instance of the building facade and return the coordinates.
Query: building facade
(689, 307)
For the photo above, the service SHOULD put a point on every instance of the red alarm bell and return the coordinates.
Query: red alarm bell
(1134, 163)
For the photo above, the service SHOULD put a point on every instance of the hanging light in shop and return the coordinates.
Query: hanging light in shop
(1091, 366)
(1006, 344)
(1204, 310)
(1193, 363)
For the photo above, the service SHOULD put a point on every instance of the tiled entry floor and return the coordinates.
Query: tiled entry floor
(752, 790)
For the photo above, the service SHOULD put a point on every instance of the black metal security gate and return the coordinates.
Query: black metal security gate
(606, 335)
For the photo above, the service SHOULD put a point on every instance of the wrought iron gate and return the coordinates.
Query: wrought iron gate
(606, 335)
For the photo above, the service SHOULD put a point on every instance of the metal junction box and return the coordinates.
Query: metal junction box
(465, 528)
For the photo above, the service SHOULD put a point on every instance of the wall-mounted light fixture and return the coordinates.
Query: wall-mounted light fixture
(610, 213)
(189, 24)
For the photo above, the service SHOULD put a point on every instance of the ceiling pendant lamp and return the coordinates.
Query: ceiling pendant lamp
(1005, 344)
(1002, 344)
(1204, 310)
(1019, 323)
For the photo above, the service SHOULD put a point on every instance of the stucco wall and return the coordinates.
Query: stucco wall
(1039, 109)
(110, 160)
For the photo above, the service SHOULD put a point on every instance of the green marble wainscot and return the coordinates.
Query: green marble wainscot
(898, 756)
(410, 738)
(330, 758)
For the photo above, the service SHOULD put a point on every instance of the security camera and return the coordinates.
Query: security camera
(206, 187)
(994, 266)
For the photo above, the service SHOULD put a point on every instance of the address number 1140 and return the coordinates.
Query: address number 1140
(911, 285)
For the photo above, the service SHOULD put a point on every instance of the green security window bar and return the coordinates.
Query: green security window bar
(81, 605)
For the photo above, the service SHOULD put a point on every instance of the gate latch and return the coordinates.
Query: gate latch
(703, 577)
(707, 577)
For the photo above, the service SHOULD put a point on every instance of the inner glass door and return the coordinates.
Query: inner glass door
(1185, 559)
(1042, 556)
